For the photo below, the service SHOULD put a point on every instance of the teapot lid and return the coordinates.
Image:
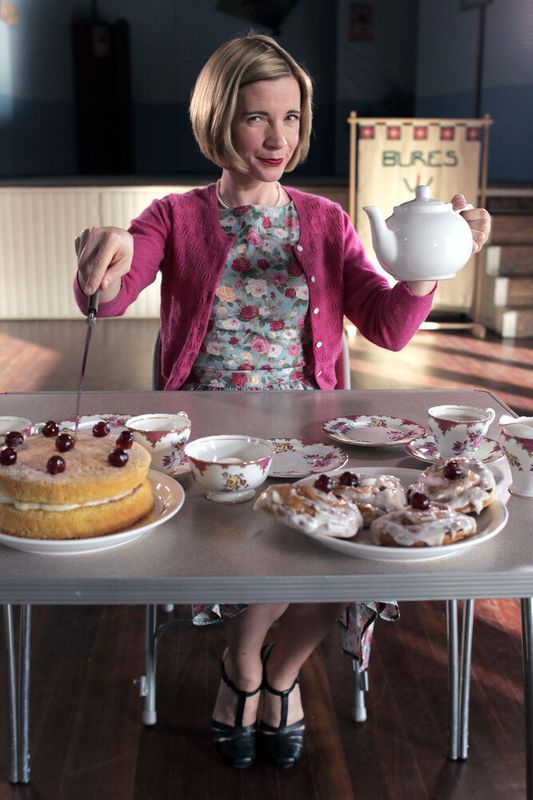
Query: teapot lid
(422, 202)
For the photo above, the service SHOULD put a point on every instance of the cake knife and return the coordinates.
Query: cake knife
(92, 308)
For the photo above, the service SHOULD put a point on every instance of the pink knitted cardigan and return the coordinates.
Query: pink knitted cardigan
(181, 235)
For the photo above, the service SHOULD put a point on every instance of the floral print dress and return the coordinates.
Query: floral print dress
(258, 334)
(258, 339)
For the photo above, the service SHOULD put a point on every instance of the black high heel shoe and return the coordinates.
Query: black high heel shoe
(235, 743)
(283, 744)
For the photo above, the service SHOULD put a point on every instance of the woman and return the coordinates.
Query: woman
(256, 278)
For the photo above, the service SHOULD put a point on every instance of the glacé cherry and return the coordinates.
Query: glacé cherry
(452, 471)
(14, 438)
(55, 464)
(101, 428)
(349, 479)
(64, 442)
(118, 457)
(419, 501)
(324, 483)
(125, 440)
(8, 456)
(50, 429)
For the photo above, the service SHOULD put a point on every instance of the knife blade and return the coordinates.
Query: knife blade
(92, 308)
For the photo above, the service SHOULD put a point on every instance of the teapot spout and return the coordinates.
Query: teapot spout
(383, 239)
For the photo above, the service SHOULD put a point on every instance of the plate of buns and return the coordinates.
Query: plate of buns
(391, 513)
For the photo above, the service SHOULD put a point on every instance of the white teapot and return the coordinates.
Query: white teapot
(423, 239)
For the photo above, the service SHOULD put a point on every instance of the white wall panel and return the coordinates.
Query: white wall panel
(37, 258)
(37, 231)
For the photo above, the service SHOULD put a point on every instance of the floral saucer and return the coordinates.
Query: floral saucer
(373, 430)
(426, 449)
(294, 458)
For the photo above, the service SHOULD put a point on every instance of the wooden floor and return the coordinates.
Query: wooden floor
(87, 739)
(48, 356)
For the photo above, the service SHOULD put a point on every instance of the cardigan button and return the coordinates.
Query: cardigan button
(299, 248)
(316, 310)
(319, 373)
(313, 279)
(318, 345)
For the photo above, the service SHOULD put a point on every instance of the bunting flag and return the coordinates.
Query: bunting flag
(394, 158)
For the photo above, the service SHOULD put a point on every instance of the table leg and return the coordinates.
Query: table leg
(24, 693)
(149, 715)
(459, 665)
(527, 652)
(464, 678)
(11, 694)
(453, 678)
(18, 688)
(360, 687)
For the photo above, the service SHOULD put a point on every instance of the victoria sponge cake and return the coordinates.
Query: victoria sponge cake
(58, 488)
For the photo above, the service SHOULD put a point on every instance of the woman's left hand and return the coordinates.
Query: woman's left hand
(477, 218)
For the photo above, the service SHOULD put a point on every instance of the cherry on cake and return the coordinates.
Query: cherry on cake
(53, 490)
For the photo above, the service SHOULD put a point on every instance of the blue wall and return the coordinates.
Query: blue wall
(169, 43)
(421, 60)
(446, 74)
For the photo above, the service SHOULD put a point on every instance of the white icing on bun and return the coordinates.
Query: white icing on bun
(305, 508)
(472, 491)
(373, 496)
(429, 527)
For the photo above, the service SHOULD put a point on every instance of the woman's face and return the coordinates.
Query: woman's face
(266, 126)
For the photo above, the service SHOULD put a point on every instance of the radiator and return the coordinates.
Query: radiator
(37, 231)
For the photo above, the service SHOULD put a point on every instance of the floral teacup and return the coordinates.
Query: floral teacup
(230, 467)
(163, 435)
(517, 441)
(459, 430)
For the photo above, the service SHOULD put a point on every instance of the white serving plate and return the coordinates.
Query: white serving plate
(490, 522)
(169, 498)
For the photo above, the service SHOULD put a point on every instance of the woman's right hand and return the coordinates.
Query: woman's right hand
(104, 256)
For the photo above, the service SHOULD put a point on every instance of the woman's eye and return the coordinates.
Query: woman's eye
(293, 117)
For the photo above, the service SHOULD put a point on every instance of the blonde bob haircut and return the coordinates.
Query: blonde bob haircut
(235, 64)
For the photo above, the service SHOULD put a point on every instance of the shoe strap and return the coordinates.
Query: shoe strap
(241, 694)
(284, 694)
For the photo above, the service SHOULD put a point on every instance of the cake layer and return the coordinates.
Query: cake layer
(88, 475)
(79, 523)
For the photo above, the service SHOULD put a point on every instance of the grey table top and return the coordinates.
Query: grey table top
(227, 553)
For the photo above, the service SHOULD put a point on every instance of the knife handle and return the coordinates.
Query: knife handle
(92, 306)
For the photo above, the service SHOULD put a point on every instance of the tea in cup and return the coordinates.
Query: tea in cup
(459, 430)
(163, 435)
(517, 442)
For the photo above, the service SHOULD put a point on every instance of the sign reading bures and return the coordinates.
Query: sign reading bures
(394, 158)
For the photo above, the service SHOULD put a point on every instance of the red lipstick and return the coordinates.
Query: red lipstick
(272, 162)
